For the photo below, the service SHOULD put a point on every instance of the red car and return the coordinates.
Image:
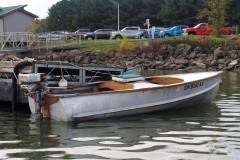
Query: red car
(205, 29)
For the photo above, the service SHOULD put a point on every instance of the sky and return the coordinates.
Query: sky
(37, 7)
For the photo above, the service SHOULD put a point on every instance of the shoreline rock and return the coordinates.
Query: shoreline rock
(167, 57)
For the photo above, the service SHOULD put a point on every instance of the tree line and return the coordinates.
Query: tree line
(74, 14)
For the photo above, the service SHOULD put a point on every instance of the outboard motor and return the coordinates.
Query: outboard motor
(35, 83)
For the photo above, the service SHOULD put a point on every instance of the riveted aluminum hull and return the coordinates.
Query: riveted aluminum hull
(194, 90)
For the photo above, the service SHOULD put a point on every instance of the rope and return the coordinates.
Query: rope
(14, 73)
(61, 69)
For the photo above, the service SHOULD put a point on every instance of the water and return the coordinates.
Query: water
(210, 131)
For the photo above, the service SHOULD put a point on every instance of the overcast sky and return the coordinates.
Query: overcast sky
(37, 7)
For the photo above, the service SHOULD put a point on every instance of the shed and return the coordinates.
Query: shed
(15, 19)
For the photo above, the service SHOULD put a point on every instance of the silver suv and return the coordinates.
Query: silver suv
(129, 32)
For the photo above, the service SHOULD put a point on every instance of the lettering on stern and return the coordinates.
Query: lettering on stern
(193, 85)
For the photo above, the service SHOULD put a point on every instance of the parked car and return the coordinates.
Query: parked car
(80, 32)
(129, 32)
(205, 29)
(43, 36)
(174, 31)
(157, 31)
(56, 35)
(99, 34)
(161, 28)
(66, 34)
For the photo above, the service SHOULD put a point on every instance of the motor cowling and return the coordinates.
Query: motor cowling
(32, 82)
(35, 83)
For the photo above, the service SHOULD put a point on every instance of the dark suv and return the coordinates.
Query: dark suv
(99, 34)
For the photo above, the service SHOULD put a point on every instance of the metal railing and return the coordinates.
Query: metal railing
(17, 39)
(25, 41)
(10, 41)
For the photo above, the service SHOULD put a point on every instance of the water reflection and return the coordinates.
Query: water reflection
(207, 131)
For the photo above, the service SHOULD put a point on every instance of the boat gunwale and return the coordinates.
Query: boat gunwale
(135, 90)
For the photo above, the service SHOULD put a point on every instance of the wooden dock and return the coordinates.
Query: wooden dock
(73, 73)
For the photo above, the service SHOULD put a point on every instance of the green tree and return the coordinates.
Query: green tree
(73, 14)
(176, 12)
(59, 16)
(37, 26)
(215, 13)
(233, 16)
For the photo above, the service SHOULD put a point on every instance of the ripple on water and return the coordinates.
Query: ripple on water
(209, 131)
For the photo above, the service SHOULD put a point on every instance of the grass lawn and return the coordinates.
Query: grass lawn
(102, 45)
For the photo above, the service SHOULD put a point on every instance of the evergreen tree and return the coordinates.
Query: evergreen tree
(176, 12)
(233, 15)
(74, 14)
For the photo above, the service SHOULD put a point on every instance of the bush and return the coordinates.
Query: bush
(126, 47)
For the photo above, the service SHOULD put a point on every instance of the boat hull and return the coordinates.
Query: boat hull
(191, 101)
(202, 89)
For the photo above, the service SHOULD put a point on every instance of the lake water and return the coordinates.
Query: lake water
(202, 132)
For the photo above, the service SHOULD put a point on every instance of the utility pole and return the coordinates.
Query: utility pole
(117, 5)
